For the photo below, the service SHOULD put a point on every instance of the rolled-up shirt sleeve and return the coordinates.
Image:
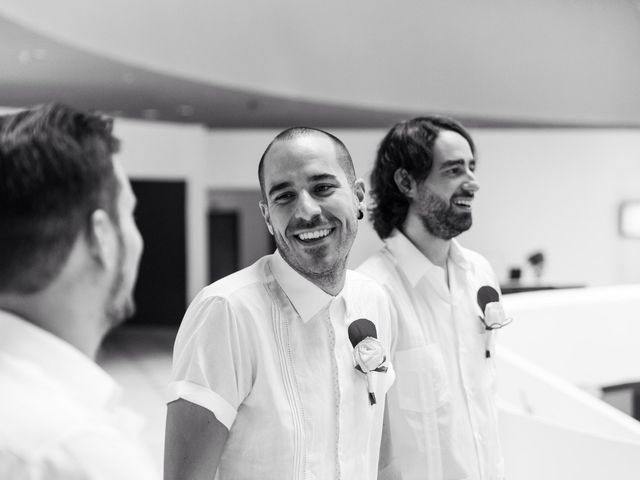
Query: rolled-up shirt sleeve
(212, 364)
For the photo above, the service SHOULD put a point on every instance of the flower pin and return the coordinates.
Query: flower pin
(368, 352)
(490, 306)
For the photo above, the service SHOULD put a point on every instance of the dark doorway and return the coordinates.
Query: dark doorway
(233, 247)
(223, 244)
(161, 290)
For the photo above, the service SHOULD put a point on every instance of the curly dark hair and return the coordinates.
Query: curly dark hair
(408, 145)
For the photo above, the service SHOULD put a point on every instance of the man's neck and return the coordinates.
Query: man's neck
(434, 248)
(61, 315)
(331, 283)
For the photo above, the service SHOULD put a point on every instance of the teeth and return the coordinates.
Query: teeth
(466, 203)
(315, 234)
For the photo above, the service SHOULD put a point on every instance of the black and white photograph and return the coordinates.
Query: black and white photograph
(339, 240)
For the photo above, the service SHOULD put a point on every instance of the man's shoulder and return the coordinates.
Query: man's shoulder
(368, 299)
(364, 292)
(38, 415)
(478, 261)
(240, 298)
(363, 283)
(238, 285)
(379, 263)
(60, 440)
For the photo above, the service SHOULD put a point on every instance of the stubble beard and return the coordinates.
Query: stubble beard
(120, 304)
(324, 274)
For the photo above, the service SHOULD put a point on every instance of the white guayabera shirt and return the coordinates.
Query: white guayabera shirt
(442, 410)
(268, 353)
(59, 413)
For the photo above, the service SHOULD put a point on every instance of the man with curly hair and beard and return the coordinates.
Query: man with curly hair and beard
(442, 414)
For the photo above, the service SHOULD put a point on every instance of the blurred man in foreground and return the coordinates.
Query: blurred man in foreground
(442, 410)
(277, 372)
(69, 253)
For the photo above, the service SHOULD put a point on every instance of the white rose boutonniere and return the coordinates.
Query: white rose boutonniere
(495, 317)
(369, 355)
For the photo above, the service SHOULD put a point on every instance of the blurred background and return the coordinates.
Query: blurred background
(550, 90)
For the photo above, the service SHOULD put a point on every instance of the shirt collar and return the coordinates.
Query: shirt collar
(413, 262)
(456, 254)
(305, 296)
(80, 376)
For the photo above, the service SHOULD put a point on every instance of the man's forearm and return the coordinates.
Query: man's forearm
(194, 441)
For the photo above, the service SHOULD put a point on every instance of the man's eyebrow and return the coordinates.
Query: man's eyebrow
(452, 163)
(313, 178)
(278, 186)
(322, 176)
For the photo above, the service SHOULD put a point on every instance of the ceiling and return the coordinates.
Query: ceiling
(37, 69)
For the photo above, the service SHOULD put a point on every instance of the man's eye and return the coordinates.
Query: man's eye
(454, 171)
(284, 197)
(324, 189)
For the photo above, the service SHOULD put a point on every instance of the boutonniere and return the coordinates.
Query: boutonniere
(494, 316)
(368, 352)
(490, 306)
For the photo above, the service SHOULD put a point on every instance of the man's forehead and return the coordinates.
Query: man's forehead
(311, 154)
(450, 145)
(302, 146)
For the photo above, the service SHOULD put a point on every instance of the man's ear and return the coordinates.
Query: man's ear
(265, 214)
(359, 191)
(405, 182)
(102, 239)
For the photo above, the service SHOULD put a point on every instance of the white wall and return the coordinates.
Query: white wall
(555, 190)
(559, 191)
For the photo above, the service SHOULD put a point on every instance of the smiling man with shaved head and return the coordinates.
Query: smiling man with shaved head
(265, 384)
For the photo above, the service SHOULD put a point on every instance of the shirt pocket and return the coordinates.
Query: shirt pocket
(421, 379)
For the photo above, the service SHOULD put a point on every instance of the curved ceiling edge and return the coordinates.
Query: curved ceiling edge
(44, 69)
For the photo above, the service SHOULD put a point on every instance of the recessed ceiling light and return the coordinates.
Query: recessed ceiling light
(185, 110)
(24, 56)
(151, 114)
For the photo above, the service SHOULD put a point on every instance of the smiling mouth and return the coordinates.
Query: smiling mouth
(312, 235)
(463, 202)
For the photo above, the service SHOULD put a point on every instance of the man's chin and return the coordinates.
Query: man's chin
(448, 229)
(317, 265)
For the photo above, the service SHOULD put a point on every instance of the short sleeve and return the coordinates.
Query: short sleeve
(212, 364)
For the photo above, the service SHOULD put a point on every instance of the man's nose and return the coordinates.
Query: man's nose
(471, 185)
(307, 207)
